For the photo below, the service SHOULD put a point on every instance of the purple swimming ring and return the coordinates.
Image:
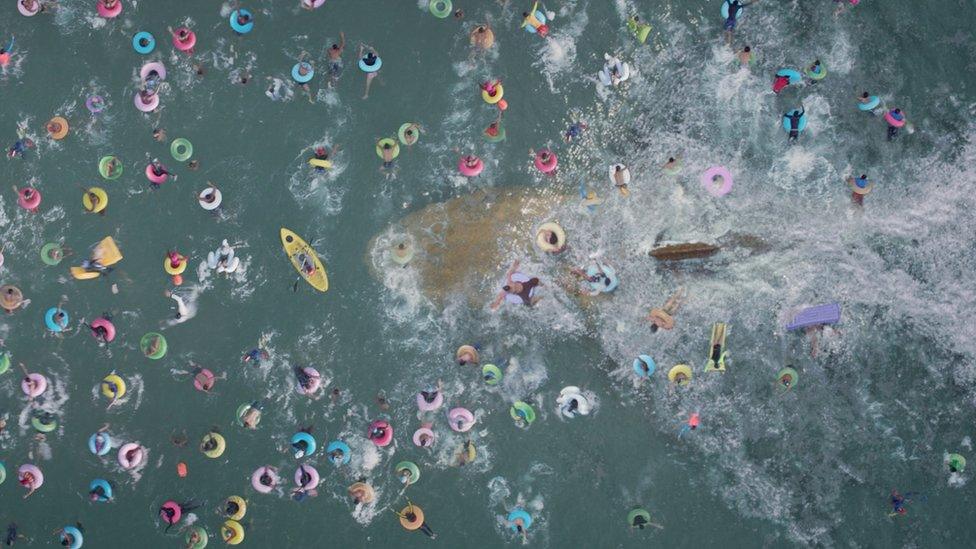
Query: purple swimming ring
(95, 104)
(708, 180)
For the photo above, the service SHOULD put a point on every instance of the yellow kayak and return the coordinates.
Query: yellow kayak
(295, 247)
(106, 253)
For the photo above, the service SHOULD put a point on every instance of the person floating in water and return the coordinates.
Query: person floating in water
(898, 502)
(860, 187)
(793, 119)
(574, 130)
(335, 59)
(664, 317)
(5, 53)
(519, 289)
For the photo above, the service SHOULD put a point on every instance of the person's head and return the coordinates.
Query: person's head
(480, 29)
(410, 516)
(864, 176)
(618, 168)
(747, 49)
(232, 508)
(670, 159)
(183, 33)
(507, 288)
(865, 95)
(525, 14)
(334, 47)
(816, 63)
(553, 238)
(387, 146)
(370, 57)
(320, 151)
(897, 111)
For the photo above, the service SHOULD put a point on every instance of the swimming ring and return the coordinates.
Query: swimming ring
(473, 170)
(368, 68)
(569, 395)
(268, 473)
(546, 245)
(106, 489)
(113, 386)
(110, 167)
(423, 433)
(306, 477)
(493, 99)
(175, 512)
(57, 127)
(408, 133)
(148, 341)
(461, 419)
(519, 513)
(137, 458)
(237, 26)
(409, 467)
(44, 422)
(181, 149)
(313, 383)
(338, 445)
(71, 532)
(53, 324)
(100, 443)
(232, 532)
(51, 254)
(522, 411)
(298, 76)
(95, 104)
(680, 374)
(895, 120)
(34, 471)
(143, 42)
(801, 124)
(545, 165)
(640, 362)
(386, 435)
(787, 378)
(241, 507)
(715, 186)
(432, 405)
(216, 441)
(106, 12)
(100, 202)
(28, 12)
(308, 440)
(606, 283)
(28, 198)
(387, 141)
(873, 102)
(242, 411)
(178, 269)
(816, 75)
(186, 44)
(440, 8)
(199, 533)
(491, 374)
(152, 67)
(206, 194)
(144, 106)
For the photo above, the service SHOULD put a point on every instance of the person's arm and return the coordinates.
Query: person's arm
(342, 41)
(498, 300)
(511, 271)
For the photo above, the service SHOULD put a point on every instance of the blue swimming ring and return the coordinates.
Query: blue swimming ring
(307, 438)
(604, 285)
(800, 126)
(239, 28)
(370, 68)
(49, 320)
(873, 102)
(106, 446)
(725, 10)
(106, 488)
(77, 539)
(794, 75)
(339, 445)
(542, 19)
(642, 360)
(143, 36)
(298, 77)
(519, 513)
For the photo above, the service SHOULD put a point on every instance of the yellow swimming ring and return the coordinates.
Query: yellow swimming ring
(61, 124)
(108, 381)
(218, 450)
(169, 268)
(241, 507)
(680, 374)
(543, 244)
(492, 99)
(319, 163)
(100, 195)
(368, 493)
(232, 532)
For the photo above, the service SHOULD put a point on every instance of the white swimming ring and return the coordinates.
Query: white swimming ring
(614, 68)
(214, 196)
(544, 244)
(265, 471)
(567, 396)
(223, 260)
(138, 455)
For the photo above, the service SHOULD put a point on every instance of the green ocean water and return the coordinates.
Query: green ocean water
(887, 397)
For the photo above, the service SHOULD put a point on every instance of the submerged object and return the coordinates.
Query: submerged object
(688, 250)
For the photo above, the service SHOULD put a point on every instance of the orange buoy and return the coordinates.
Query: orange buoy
(502, 105)
(181, 469)
(177, 280)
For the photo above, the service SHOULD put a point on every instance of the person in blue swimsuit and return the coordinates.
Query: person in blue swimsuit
(735, 7)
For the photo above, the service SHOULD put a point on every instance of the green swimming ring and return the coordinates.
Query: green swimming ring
(3, 472)
(409, 466)
(790, 381)
(496, 138)
(147, 340)
(522, 411)
(816, 76)
(491, 374)
(957, 463)
(38, 422)
(4, 362)
(240, 414)
(440, 8)
(402, 133)
(389, 141)
(639, 512)
(103, 167)
(673, 171)
(181, 149)
(46, 254)
(202, 538)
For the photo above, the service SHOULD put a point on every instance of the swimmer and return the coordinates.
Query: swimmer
(574, 130)
(323, 152)
(811, 332)
(193, 165)
(692, 424)
(465, 452)
(335, 59)
(12, 535)
(67, 538)
(898, 116)
(664, 317)
(387, 152)
(866, 99)
(36, 6)
(252, 415)
(458, 14)
(745, 56)
(816, 68)
(244, 76)
(860, 187)
(735, 7)
(529, 19)
(257, 355)
(842, 5)
(619, 179)
(370, 59)
(519, 523)
(495, 128)
(19, 148)
(482, 37)
(159, 170)
(794, 117)
(305, 67)
(179, 439)
(672, 164)
(158, 134)
(411, 516)
(382, 402)
(898, 503)
(276, 89)
(5, 54)
(185, 308)
(520, 290)
(600, 276)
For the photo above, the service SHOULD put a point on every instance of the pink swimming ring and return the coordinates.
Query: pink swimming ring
(35, 471)
(153, 178)
(430, 406)
(543, 165)
(461, 419)
(470, 171)
(203, 379)
(314, 382)
(314, 4)
(108, 13)
(420, 433)
(142, 105)
(889, 118)
(185, 45)
(138, 455)
(174, 508)
(156, 67)
(31, 202)
(102, 322)
(313, 477)
(268, 471)
(39, 382)
(385, 438)
(708, 180)
(26, 12)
